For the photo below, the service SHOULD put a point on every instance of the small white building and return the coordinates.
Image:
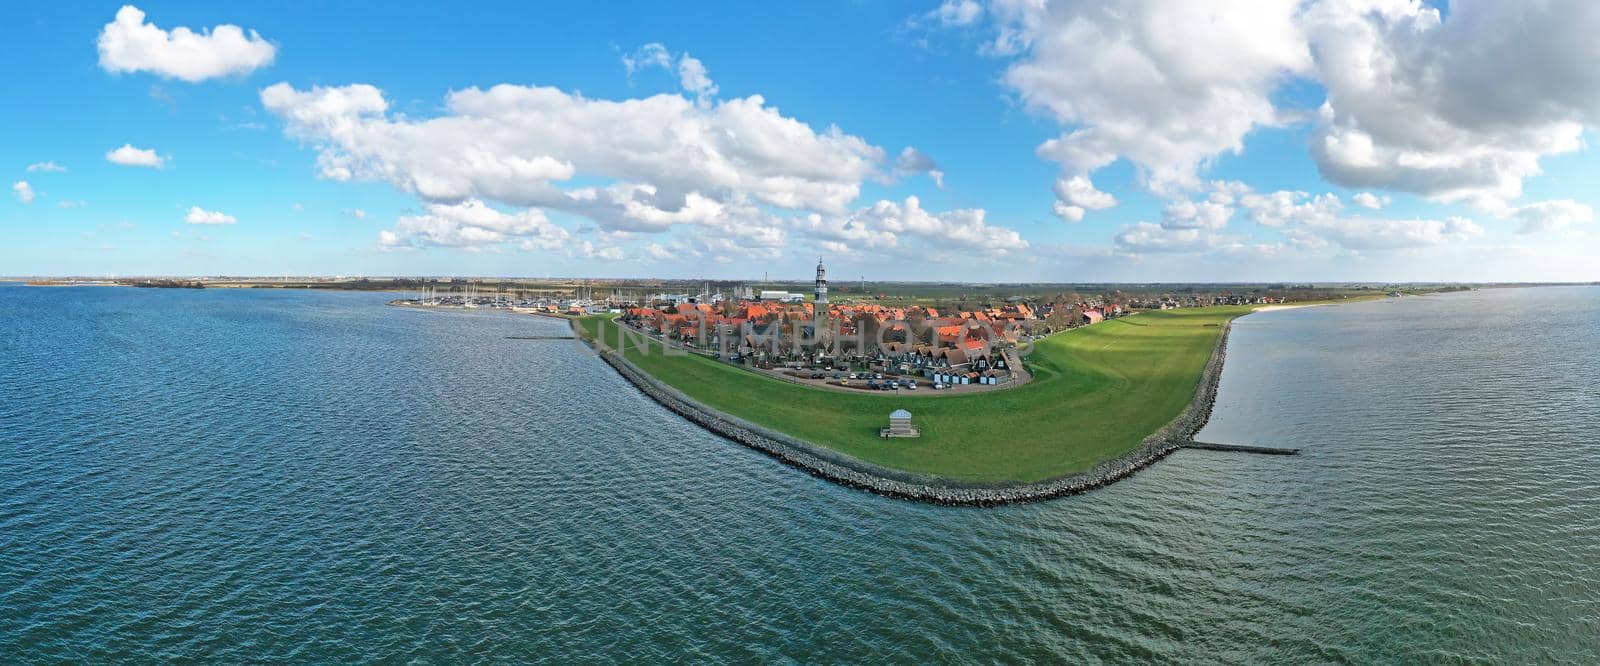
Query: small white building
(900, 425)
(782, 296)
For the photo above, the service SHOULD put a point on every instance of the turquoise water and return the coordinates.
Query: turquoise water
(314, 477)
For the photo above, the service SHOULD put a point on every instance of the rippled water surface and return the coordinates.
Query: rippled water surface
(314, 477)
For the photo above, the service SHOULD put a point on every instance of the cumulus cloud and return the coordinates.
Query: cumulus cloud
(589, 250)
(1457, 108)
(128, 44)
(1377, 234)
(46, 167)
(905, 229)
(1140, 82)
(198, 215)
(1287, 208)
(913, 161)
(513, 143)
(473, 223)
(1308, 221)
(1142, 237)
(127, 155)
(23, 190)
(1196, 215)
(961, 228)
(1549, 216)
(737, 177)
(1187, 225)
(1370, 201)
(844, 234)
(1319, 219)
(1077, 194)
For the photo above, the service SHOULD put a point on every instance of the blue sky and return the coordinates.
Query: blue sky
(1189, 164)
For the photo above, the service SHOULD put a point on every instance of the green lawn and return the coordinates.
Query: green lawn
(1097, 391)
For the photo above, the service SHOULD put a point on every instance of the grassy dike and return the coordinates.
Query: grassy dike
(1097, 392)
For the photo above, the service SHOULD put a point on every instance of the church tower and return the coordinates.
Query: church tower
(822, 283)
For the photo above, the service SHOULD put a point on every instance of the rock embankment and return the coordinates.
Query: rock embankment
(849, 471)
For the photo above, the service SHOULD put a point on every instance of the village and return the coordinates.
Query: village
(871, 346)
(857, 344)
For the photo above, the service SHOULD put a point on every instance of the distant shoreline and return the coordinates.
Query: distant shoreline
(70, 283)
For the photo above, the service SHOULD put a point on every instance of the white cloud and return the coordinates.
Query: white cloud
(1196, 215)
(658, 252)
(128, 44)
(653, 54)
(1147, 237)
(1455, 108)
(961, 228)
(1307, 221)
(23, 190)
(588, 250)
(845, 234)
(957, 12)
(693, 76)
(357, 213)
(1372, 234)
(1077, 194)
(1315, 220)
(47, 167)
(913, 161)
(1370, 201)
(127, 155)
(473, 223)
(71, 203)
(671, 161)
(1285, 208)
(1141, 82)
(1556, 215)
(741, 178)
(198, 215)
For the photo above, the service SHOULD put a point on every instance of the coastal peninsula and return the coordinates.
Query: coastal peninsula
(1105, 400)
(994, 400)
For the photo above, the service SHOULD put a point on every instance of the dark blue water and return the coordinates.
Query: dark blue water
(314, 477)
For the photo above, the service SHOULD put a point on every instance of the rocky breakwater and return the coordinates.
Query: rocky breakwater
(855, 473)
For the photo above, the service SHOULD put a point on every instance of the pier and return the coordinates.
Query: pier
(1242, 448)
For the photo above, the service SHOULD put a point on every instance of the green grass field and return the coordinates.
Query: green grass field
(1097, 392)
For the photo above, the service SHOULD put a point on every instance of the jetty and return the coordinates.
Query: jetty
(1241, 448)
